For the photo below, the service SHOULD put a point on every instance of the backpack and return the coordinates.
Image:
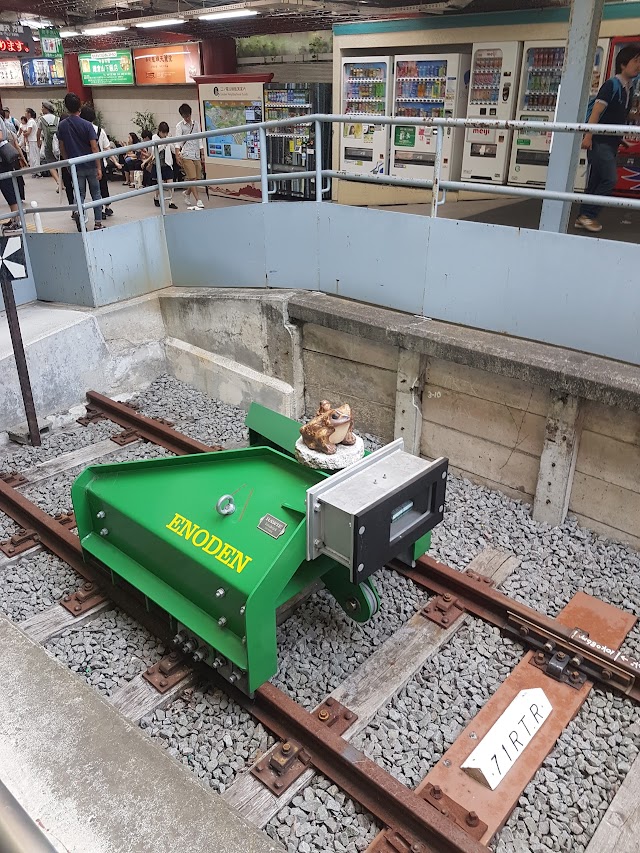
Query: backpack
(617, 90)
(50, 143)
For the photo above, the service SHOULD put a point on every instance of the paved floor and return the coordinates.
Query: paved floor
(621, 225)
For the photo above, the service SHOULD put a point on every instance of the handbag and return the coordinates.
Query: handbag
(8, 155)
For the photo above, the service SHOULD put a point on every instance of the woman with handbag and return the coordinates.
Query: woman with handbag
(166, 163)
(11, 158)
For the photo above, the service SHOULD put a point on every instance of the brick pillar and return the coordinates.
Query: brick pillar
(74, 79)
(218, 56)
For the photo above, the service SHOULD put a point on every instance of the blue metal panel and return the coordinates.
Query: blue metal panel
(291, 245)
(60, 268)
(373, 255)
(128, 260)
(535, 284)
(221, 247)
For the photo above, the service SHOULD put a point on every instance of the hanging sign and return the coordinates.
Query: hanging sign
(15, 40)
(51, 43)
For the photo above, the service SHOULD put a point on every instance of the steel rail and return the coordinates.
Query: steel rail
(374, 788)
(610, 667)
(148, 428)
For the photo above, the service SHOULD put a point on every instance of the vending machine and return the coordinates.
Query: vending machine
(364, 146)
(294, 148)
(539, 86)
(628, 155)
(429, 86)
(598, 76)
(493, 93)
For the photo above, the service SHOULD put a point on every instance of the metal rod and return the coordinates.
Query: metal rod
(79, 204)
(16, 190)
(264, 166)
(319, 164)
(437, 170)
(159, 180)
(21, 361)
(18, 832)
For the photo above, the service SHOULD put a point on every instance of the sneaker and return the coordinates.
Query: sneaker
(108, 211)
(97, 226)
(173, 206)
(156, 202)
(199, 204)
(588, 224)
(11, 225)
(186, 195)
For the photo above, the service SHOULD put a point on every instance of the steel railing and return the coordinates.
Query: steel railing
(319, 174)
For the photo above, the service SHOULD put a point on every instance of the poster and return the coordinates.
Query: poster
(43, 72)
(10, 73)
(232, 105)
(15, 39)
(106, 68)
(51, 43)
(166, 66)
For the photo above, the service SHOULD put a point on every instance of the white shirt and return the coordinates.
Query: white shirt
(190, 148)
(166, 151)
(103, 139)
(31, 131)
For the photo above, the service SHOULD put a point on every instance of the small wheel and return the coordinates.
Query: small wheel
(226, 505)
(371, 597)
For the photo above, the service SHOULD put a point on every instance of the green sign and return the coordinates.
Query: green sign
(107, 68)
(51, 43)
(405, 136)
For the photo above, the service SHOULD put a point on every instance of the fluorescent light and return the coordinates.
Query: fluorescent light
(163, 23)
(35, 24)
(103, 31)
(237, 13)
(65, 34)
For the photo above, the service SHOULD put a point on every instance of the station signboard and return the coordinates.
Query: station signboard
(169, 65)
(107, 68)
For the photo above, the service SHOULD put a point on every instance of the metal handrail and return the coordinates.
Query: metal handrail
(264, 178)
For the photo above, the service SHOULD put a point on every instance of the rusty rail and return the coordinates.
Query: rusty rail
(148, 428)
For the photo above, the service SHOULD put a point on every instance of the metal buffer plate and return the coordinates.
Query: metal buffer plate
(167, 672)
(373, 511)
(19, 543)
(279, 768)
(446, 608)
(12, 478)
(127, 436)
(84, 599)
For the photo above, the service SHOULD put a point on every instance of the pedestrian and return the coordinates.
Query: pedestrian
(190, 153)
(611, 106)
(132, 162)
(48, 140)
(31, 138)
(10, 119)
(11, 158)
(166, 163)
(89, 114)
(22, 136)
(77, 139)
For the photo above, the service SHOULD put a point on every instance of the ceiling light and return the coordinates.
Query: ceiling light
(103, 31)
(237, 13)
(35, 24)
(65, 34)
(163, 23)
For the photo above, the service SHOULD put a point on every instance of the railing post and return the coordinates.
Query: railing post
(23, 219)
(37, 219)
(159, 180)
(264, 166)
(437, 167)
(79, 204)
(319, 164)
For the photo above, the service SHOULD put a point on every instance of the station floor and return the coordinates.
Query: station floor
(620, 225)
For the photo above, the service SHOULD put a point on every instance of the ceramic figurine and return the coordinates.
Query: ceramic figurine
(329, 428)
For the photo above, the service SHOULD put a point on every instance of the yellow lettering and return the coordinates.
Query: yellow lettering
(216, 548)
(175, 522)
(225, 554)
(239, 561)
(188, 529)
(197, 535)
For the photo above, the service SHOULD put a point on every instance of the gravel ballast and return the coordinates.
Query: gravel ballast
(36, 582)
(320, 646)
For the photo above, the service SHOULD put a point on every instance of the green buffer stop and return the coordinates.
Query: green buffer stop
(219, 541)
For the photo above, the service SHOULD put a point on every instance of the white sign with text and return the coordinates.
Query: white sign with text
(508, 738)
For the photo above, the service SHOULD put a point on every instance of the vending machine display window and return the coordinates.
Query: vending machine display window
(365, 88)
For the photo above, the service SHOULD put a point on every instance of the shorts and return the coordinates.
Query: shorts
(192, 170)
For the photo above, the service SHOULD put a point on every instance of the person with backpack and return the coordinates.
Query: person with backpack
(48, 139)
(610, 106)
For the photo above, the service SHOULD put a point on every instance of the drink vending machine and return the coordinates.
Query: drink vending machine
(539, 86)
(293, 149)
(493, 93)
(364, 146)
(628, 155)
(428, 86)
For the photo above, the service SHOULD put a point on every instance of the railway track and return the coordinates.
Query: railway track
(319, 741)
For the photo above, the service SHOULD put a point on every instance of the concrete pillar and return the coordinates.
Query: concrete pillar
(584, 27)
(412, 368)
(558, 460)
(218, 56)
(74, 78)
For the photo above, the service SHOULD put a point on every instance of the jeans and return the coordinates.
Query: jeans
(88, 172)
(603, 175)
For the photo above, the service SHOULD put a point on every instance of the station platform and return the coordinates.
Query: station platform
(89, 778)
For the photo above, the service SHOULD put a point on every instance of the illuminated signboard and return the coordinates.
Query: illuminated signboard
(166, 66)
(10, 73)
(107, 68)
(43, 72)
(15, 40)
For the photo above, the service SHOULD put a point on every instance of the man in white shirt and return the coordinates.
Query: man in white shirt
(190, 153)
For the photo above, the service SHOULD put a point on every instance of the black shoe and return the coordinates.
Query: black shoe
(173, 206)
(108, 211)
(156, 202)
(76, 218)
